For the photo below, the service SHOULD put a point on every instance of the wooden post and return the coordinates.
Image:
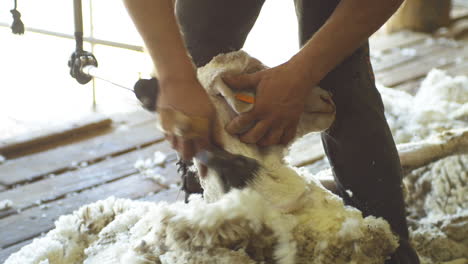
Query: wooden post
(420, 15)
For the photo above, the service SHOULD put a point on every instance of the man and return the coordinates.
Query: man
(334, 55)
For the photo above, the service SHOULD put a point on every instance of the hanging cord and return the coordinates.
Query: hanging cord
(17, 27)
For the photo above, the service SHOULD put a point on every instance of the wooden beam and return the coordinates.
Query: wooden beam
(53, 134)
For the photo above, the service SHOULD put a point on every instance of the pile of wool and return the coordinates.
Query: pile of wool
(437, 202)
(440, 104)
(241, 227)
(436, 193)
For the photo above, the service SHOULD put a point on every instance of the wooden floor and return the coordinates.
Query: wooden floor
(54, 172)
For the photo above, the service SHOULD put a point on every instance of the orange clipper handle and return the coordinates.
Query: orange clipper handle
(245, 98)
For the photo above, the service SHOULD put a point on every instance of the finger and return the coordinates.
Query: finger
(288, 135)
(243, 81)
(172, 139)
(186, 148)
(202, 144)
(256, 133)
(241, 123)
(273, 137)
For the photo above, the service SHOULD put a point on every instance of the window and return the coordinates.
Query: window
(36, 88)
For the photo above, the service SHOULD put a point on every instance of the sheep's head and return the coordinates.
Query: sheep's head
(319, 114)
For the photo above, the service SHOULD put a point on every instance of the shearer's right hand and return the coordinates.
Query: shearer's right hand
(186, 116)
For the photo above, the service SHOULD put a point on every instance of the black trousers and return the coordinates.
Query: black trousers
(359, 144)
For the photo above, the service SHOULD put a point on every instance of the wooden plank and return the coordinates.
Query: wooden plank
(457, 29)
(420, 67)
(6, 252)
(458, 69)
(385, 43)
(171, 195)
(133, 118)
(458, 12)
(53, 134)
(63, 158)
(319, 165)
(410, 87)
(53, 188)
(306, 150)
(32, 222)
(397, 58)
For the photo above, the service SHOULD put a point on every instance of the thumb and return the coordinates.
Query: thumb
(241, 123)
(242, 82)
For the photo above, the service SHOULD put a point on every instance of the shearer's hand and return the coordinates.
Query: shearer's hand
(280, 98)
(186, 116)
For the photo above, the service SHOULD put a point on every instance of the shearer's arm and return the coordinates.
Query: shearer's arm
(180, 89)
(281, 90)
(349, 26)
(157, 25)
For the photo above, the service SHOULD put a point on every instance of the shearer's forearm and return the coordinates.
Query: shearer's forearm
(349, 26)
(156, 23)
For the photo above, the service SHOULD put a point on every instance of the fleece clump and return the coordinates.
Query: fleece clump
(437, 202)
(440, 104)
(241, 227)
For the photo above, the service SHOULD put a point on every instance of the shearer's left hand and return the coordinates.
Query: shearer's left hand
(280, 98)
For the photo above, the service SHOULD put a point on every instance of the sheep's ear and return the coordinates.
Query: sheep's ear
(319, 113)
(319, 101)
(255, 65)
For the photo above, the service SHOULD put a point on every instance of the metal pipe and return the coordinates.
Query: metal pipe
(78, 14)
(87, 39)
(91, 34)
(99, 74)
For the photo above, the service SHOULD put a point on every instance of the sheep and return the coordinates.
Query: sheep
(276, 181)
